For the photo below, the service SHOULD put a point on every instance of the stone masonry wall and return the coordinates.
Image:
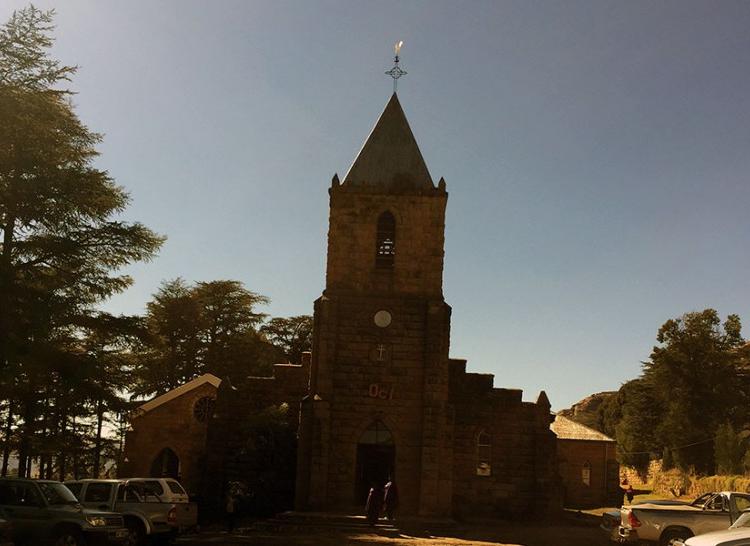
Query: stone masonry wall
(603, 488)
(363, 373)
(522, 476)
(235, 405)
(363, 389)
(171, 425)
(420, 225)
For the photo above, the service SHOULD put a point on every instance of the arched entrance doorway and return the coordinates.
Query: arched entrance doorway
(166, 465)
(376, 457)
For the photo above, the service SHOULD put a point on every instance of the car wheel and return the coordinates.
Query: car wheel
(69, 537)
(135, 533)
(670, 537)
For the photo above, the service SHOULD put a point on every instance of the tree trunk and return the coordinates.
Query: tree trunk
(6, 442)
(98, 441)
(61, 458)
(6, 280)
(24, 446)
(44, 435)
(76, 470)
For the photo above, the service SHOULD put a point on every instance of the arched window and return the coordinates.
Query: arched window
(484, 454)
(385, 245)
(586, 473)
(166, 465)
(376, 434)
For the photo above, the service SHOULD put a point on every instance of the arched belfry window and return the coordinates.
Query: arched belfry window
(484, 454)
(385, 245)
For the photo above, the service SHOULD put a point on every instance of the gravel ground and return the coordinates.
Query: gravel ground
(575, 530)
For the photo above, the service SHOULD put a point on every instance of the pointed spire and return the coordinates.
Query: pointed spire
(390, 158)
(543, 401)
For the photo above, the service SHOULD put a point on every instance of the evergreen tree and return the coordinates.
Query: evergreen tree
(693, 384)
(61, 245)
(292, 335)
(210, 327)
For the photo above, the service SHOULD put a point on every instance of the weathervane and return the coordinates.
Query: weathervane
(396, 72)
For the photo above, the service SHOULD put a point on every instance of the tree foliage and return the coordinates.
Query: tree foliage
(728, 450)
(67, 368)
(692, 386)
(61, 246)
(292, 335)
(213, 327)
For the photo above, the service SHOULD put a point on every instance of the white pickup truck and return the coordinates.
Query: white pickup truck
(147, 518)
(668, 525)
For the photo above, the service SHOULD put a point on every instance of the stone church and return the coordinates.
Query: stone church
(380, 395)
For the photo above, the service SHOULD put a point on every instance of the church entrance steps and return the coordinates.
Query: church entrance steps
(322, 521)
(294, 521)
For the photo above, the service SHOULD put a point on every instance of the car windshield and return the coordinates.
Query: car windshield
(743, 522)
(57, 493)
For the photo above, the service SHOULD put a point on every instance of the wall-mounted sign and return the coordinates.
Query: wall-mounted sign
(484, 469)
(384, 392)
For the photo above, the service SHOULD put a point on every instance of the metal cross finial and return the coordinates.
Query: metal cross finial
(396, 72)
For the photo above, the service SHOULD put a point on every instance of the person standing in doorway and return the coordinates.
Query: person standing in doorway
(391, 499)
(231, 509)
(374, 503)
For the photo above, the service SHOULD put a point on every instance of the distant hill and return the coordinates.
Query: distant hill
(586, 411)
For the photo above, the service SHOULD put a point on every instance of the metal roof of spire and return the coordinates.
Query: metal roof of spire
(390, 157)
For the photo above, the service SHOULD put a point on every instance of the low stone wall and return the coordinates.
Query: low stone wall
(677, 483)
(639, 480)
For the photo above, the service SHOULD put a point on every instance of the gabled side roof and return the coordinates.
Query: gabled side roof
(390, 157)
(567, 429)
(179, 391)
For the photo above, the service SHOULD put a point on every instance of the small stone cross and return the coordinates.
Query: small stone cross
(381, 350)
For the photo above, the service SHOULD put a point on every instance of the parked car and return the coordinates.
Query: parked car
(6, 529)
(667, 525)
(170, 490)
(612, 518)
(737, 535)
(46, 511)
(145, 515)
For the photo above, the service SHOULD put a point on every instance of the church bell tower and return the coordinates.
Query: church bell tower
(377, 405)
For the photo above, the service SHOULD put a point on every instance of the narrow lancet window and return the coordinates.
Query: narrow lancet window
(484, 454)
(586, 473)
(385, 247)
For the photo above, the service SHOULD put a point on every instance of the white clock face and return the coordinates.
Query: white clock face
(382, 319)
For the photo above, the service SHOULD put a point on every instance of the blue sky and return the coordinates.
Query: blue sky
(597, 156)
